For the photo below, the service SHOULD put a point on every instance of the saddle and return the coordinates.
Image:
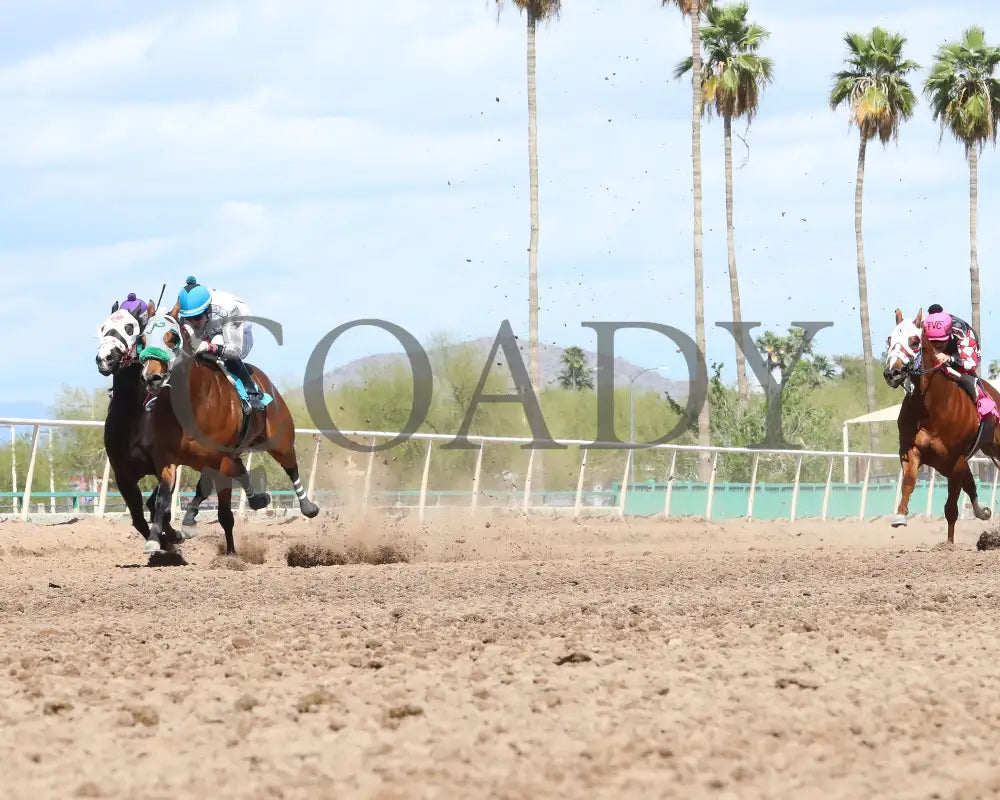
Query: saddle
(972, 384)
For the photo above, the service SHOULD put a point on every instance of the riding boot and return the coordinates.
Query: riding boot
(239, 369)
(970, 384)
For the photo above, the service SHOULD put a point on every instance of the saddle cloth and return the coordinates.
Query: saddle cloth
(241, 390)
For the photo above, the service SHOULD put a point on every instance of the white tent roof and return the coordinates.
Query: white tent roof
(891, 413)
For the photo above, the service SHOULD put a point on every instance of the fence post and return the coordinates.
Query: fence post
(930, 490)
(628, 467)
(753, 485)
(670, 484)
(423, 481)
(527, 480)
(795, 488)
(102, 501)
(368, 476)
(477, 476)
(578, 503)
(31, 473)
(13, 468)
(864, 488)
(826, 491)
(993, 493)
(315, 464)
(52, 474)
(711, 485)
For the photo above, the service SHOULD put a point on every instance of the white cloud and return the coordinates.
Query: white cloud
(80, 63)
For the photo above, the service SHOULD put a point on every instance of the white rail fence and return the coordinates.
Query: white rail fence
(748, 492)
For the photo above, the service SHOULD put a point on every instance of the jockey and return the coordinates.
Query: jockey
(961, 353)
(215, 317)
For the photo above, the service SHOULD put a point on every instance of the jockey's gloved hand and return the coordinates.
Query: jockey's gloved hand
(207, 350)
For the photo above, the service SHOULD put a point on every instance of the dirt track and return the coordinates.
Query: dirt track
(805, 660)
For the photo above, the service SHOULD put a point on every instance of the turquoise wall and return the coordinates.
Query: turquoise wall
(688, 498)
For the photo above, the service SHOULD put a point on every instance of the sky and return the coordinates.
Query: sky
(331, 160)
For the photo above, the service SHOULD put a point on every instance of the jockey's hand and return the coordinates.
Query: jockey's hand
(943, 358)
(207, 350)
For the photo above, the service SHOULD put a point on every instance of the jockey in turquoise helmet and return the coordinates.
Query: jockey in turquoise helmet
(217, 319)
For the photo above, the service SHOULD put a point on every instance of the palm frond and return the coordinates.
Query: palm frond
(734, 75)
(874, 85)
(962, 90)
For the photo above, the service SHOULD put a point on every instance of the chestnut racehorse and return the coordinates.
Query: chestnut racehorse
(200, 421)
(938, 422)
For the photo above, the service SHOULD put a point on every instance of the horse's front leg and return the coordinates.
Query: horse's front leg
(955, 481)
(161, 512)
(910, 461)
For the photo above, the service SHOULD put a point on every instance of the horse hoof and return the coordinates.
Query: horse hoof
(188, 521)
(982, 513)
(899, 521)
(259, 501)
(151, 547)
(309, 509)
(188, 531)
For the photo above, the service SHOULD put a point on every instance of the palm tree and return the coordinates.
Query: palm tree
(733, 78)
(879, 99)
(965, 98)
(536, 11)
(692, 9)
(575, 374)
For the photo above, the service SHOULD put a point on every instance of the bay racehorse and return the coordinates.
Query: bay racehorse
(128, 438)
(938, 421)
(202, 421)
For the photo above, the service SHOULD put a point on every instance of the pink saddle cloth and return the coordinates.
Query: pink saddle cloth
(986, 405)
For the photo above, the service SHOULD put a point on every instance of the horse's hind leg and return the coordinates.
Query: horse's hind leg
(969, 485)
(286, 458)
(226, 518)
(132, 496)
(201, 493)
(235, 469)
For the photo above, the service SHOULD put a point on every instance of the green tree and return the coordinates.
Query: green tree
(734, 75)
(692, 9)
(879, 98)
(965, 98)
(575, 374)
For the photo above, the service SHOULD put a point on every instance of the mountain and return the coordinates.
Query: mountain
(353, 373)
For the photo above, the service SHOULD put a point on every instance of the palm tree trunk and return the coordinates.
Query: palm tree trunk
(973, 248)
(536, 377)
(866, 337)
(704, 425)
(533, 357)
(734, 283)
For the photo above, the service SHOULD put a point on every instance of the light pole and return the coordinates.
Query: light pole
(631, 413)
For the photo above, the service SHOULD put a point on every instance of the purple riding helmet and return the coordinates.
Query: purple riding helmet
(136, 307)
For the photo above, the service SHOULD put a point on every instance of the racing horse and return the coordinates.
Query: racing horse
(938, 421)
(127, 432)
(200, 419)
